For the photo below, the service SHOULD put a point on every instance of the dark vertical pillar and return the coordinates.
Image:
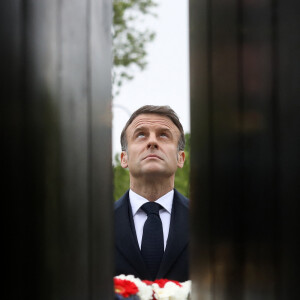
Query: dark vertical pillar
(56, 124)
(100, 163)
(288, 74)
(244, 148)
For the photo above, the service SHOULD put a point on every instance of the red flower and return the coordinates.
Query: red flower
(125, 287)
(161, 282)
(148, 282)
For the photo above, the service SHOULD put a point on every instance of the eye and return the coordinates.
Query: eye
(140, 135)
(163, 134)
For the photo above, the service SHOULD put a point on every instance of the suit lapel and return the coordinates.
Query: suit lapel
(178, 234)
(125, 237)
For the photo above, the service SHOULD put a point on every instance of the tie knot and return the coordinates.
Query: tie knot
(151, 208)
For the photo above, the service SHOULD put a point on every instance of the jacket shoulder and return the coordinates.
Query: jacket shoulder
(120, 202)
(181, 199)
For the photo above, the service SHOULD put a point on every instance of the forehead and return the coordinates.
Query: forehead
(152, 121)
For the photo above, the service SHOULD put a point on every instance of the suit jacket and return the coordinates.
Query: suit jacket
(128, 258)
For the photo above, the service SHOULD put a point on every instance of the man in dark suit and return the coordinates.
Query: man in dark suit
(151, 219)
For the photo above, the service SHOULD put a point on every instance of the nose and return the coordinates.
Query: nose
(152, 142)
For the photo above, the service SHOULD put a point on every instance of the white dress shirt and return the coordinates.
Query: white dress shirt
(140, 217)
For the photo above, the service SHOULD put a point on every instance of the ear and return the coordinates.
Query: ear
(124, 159)
(180, 159)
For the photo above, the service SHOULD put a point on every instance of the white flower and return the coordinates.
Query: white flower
(145, 291)
(172, 291)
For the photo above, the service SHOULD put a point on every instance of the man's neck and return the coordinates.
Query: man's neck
(151, 190)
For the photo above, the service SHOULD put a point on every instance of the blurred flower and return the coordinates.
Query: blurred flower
(160, 289)
(125, 287)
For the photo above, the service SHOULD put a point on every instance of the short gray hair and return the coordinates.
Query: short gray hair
(166, 111)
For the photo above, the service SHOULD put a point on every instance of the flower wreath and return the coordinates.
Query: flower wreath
(131, 288)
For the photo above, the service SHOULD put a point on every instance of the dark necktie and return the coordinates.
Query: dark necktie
(153, 239)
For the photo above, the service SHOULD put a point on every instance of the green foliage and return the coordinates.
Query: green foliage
(182, 176)
(121, 178)
(129, 42)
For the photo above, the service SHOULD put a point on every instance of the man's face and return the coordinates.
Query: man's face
(152, 147)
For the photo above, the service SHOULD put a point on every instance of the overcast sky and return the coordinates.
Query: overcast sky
(165, 81)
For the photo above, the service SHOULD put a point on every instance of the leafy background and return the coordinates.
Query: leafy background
(129, 40)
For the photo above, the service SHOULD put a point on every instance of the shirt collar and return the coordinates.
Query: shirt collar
(137, 201)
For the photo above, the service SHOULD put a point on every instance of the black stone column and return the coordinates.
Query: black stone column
(245, 70)
(56, 137)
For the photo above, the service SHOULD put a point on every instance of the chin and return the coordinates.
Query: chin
(153, 171)
(156, 172)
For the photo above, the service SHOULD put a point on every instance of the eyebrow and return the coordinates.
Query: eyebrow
(143, 128)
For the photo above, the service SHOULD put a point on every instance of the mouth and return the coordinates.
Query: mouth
(152, 156)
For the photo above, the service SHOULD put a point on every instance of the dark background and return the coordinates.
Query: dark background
(244, 73)
(56, 126)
